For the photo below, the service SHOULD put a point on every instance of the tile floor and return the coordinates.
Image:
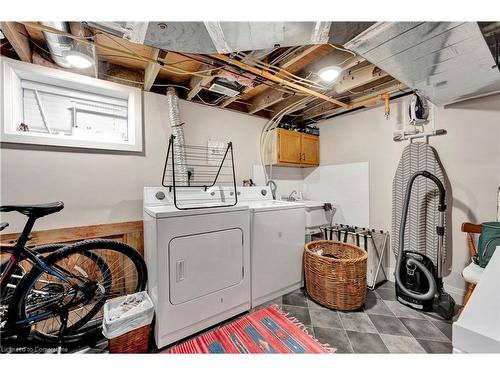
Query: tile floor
(382, 325)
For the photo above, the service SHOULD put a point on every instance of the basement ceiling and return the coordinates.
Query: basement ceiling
(445, 61)
(256, 68)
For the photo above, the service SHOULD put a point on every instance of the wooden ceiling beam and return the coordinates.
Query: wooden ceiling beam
(290, 60)
(17, 35)
(347, 75)
(121, 74)
(364, 100)
(280, 106)
(196, 84)
(349, 81)
(152, 70)
(267, 99)
(271, 96)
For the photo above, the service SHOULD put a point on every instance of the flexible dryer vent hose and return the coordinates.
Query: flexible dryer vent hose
(428, 275)
(181, 172)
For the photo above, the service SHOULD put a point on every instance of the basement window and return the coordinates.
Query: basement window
(47, 106)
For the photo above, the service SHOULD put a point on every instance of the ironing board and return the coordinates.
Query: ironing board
(420, 231)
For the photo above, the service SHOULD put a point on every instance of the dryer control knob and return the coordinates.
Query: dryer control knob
(160, 195)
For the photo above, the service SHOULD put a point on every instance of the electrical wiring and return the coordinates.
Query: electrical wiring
(299, 85)
(174, 70)
(123, 79)
(285, 54)
(272, 124)
(141, 58)
(214, 103)
(344, 50)
(276, 70)
(301, 80)
(163, 65)
(170, 85)
(142, 83)
(260, 80)
(257, 79)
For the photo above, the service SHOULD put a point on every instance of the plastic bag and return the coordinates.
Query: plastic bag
(126, 313)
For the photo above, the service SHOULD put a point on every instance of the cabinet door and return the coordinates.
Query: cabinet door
(310, 149)
(289, 150)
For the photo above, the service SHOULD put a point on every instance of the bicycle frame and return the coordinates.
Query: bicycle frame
(20, 252)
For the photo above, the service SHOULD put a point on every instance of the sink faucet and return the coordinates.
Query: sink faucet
(291, 198)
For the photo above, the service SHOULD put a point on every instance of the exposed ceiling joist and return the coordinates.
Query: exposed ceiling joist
(288, 102)
(273, 78)
(18, 37)
(267, 99)
(121, 74)
(370, 98)
(265, 87)
(353, 79)
(348, 80)
(196, 84)
(152, 70)
(290, 60)
(298, 55)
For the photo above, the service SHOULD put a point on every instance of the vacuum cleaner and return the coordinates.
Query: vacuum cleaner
(419, 282)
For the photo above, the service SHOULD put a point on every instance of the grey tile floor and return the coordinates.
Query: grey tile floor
(382, 325)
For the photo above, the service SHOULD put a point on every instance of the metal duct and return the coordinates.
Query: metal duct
(58, 44)
(218, 37)
(445, 61)
(181, 171)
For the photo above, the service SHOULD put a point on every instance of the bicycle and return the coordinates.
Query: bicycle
(54, 294)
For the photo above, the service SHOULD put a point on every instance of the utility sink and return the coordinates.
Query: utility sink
(316, 216)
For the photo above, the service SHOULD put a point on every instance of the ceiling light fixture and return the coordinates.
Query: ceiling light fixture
(78, 59)
(329, 73)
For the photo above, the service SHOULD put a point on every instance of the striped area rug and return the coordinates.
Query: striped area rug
(264, 331)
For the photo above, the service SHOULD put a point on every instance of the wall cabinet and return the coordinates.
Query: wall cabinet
(289, 148)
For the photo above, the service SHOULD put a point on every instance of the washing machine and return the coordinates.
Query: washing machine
(198, 263)
(277, 243)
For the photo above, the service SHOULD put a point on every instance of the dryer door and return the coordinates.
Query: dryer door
(204, 263)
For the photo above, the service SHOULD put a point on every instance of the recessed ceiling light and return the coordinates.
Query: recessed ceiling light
(78, 59)
(329, 73)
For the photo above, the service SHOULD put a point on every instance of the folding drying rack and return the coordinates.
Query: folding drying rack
(356, 235)
(200, 176)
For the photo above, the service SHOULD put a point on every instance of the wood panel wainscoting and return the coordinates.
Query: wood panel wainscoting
(130, 232)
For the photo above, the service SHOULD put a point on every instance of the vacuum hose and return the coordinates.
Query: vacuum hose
(413, 262)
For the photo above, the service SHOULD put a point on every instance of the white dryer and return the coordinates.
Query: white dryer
(277, 243)
(198, 264)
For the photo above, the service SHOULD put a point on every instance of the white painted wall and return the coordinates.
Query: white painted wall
(470, 154)
(101, 188)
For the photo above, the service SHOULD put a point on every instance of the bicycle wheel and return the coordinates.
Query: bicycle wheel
(96, 271)
(18, 272)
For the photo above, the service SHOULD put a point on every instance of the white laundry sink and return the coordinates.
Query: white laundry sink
(316, 216)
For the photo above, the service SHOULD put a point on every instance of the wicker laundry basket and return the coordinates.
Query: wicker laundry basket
(337, 281)
(133, 342)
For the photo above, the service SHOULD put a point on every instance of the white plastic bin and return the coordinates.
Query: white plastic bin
(126, 323)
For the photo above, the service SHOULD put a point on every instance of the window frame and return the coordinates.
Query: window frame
(11, 106)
